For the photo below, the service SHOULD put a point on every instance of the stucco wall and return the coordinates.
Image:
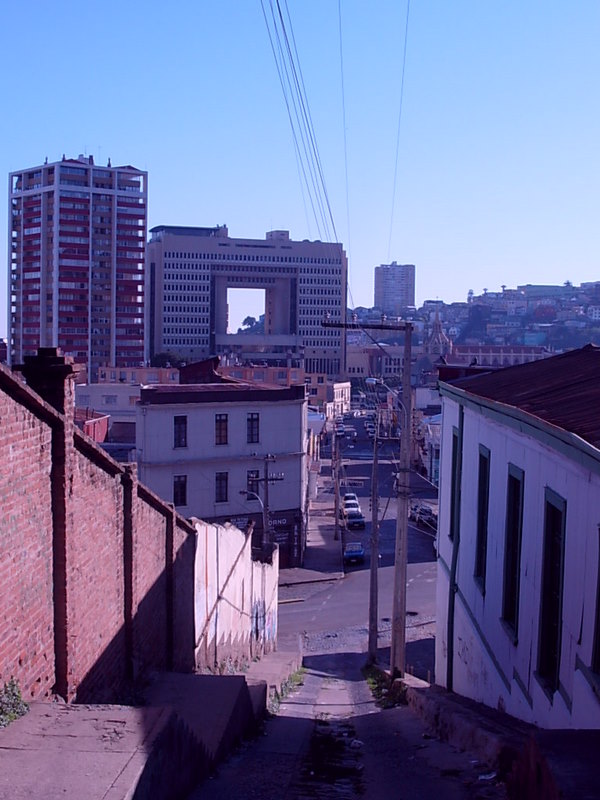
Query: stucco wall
(282, 432)
(489, 665)
(235, 598)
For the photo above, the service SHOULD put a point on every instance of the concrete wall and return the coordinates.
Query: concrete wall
(489, 665)
(235, 598)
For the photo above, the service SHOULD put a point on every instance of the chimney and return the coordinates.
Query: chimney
(51, 375)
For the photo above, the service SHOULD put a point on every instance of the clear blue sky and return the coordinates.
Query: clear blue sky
(498, 173)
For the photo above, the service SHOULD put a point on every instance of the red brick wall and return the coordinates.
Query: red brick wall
(96, 572)
(95, 579)
(87, 573)
(26, 610)
(150, 622)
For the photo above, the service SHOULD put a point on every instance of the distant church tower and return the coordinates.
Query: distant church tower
(438, 344)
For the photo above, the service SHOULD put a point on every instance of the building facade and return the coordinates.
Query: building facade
(204, 446)
(77, 239)
(191, 269)
(394, 287)
(518, 603)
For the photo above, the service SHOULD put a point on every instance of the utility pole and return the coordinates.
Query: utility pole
(335, 468)
(373, 584)
(398, 646)
(266, 479)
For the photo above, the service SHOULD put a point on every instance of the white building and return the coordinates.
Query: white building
(192, 269)
(203, 446)
(518, 589)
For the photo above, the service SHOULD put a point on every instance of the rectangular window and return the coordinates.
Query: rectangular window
(252, 478)
(180, 490)
(454, 486)
(552, 590)
(512, 548)
(483, 501)
(596, 645)
(221, 487)
(180, 431)
(252, 428)
(220, 428)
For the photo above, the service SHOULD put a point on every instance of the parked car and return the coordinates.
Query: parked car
(354, 519)
(427, 518)
(354, 553)
(351, 505)
(424, 515)
(349, 496)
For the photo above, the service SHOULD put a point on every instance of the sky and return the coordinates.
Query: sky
(497, 174)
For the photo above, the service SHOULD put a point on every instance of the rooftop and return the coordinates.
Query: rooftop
(563, 390)
(241, 391)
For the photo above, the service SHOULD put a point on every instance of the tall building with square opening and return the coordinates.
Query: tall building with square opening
(394, 287)
(76, 253)
(191, 269)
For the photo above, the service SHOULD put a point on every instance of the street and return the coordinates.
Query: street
(329, 738)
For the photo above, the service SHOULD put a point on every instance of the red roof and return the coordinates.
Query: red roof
(563, 390)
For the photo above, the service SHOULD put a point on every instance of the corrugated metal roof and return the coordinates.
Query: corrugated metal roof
(563, 390)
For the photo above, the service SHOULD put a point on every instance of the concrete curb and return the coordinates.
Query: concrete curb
(495, 744)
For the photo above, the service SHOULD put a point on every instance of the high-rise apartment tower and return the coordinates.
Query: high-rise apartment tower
(77, 239)
(394, 287)
(191, 269)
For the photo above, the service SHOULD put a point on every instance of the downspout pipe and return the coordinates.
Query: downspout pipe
(455, 523)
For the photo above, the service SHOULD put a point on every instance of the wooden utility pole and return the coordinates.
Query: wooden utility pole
(373, 582)
(398, 647)
(335, 468)
(267, 478)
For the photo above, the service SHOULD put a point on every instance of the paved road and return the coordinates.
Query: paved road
(330, 740)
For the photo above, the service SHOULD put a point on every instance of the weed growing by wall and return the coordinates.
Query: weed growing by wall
(12, 705)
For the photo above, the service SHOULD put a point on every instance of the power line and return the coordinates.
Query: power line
(398, 128)
(344, 124)
(283, 45)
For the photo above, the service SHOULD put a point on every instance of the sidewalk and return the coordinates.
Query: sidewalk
(323, 554)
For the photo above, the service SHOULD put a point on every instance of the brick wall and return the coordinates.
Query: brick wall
(95, 576)
(101, 581)
(86, 554)
(26, 610)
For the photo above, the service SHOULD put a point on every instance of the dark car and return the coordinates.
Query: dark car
(354, 519)
(354, 553)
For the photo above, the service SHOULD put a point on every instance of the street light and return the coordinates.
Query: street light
(265, 514)
(398, 645)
